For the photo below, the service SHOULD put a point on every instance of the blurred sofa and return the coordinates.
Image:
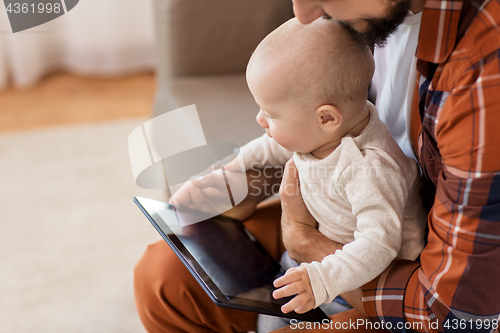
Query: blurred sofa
(202, 49)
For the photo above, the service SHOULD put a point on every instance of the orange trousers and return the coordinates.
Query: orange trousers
(169, 299)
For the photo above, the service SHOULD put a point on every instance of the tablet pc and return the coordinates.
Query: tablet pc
(233, 268)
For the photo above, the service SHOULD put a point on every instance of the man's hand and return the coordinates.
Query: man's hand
(301, 237)
(295, 282)
(294, 208)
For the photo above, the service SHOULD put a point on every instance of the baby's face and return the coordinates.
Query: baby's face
(290, 124)
(287, 128)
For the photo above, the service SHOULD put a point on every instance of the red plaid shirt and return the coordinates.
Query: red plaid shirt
(455, 129)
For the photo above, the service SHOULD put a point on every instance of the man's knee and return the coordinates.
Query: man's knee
(148, 272)
(156, 270)
(169, 299)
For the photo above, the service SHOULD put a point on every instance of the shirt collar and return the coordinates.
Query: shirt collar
(438, 32)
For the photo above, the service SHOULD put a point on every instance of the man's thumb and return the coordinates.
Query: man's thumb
(290, 183)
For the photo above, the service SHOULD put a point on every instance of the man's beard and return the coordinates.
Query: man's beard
(378, 31)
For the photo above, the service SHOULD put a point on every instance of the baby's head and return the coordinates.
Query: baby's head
(309, 81)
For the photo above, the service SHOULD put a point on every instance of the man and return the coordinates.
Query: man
(454, 123)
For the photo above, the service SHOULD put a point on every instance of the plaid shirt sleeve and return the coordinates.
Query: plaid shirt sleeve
(457, 285)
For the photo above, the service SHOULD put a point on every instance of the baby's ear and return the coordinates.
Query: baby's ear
(329, 118)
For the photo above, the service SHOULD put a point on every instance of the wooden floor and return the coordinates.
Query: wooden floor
(63, 98)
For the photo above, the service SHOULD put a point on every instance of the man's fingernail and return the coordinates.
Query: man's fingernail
(201, 179)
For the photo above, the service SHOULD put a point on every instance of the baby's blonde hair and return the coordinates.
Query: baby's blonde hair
(326, 63)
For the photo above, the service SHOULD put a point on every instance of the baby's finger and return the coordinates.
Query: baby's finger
(208, 180)
(282, 281)
(308, 305)
(290, 276)
(296, 303)
(289, 290)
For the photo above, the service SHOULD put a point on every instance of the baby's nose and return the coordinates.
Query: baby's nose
(261, 119)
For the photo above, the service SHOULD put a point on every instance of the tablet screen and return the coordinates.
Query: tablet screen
(225, 258)
(227, 253)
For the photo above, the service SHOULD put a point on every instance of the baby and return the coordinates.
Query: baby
(311, 83)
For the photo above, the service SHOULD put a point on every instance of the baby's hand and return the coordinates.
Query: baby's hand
(295, 282)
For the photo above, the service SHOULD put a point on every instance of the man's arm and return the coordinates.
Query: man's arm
(464, 220)
(301, 237)
(458, 278)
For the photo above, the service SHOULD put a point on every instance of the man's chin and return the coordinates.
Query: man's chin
(361, 26)
(377, 31)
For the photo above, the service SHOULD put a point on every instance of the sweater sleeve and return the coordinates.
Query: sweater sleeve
(376, 191)
(264, 152)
